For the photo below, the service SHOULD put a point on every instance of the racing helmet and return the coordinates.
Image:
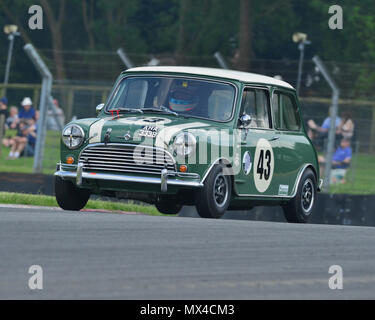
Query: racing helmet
(183, 99)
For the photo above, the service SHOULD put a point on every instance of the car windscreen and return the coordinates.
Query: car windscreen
(189, 97)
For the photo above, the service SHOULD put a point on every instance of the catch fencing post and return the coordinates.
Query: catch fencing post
(2, 123)
(124, 58)
(333, 111)
(43, 105)
(220, 59)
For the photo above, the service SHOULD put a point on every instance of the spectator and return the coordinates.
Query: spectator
(51, 120)
(340, 161)
(3, 104)
(316, 132)
(23, 144)
(4, 110)
(346, 127)
(31, 137)
(10, 123)
(19, 142)
(27, 112)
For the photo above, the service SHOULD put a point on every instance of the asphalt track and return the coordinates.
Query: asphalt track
(88, 255)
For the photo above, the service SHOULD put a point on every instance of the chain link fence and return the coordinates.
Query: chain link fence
(91, 76)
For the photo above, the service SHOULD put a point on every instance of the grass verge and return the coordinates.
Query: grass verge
(359, 177)
(25, 164)
(49, 201)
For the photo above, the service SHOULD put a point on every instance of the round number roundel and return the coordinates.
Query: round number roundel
(263, 165)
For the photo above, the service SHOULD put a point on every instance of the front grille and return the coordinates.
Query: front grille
(126, 158)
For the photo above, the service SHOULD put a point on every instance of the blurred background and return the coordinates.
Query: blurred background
(80, 39)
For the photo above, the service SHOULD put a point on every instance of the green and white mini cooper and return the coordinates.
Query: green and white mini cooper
(175, 136)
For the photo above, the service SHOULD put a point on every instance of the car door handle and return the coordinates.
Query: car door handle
(273, 138)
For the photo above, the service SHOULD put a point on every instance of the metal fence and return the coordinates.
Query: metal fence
(355, 80)
(91, 83)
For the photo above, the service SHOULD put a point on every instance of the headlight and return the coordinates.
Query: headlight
(184, 144)
(73, 136)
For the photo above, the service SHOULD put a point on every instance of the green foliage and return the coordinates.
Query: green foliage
(196, 28)
(152, 25)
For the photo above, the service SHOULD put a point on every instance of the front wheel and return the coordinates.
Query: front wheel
(70, 197)
(300, 208)
(213, 199)
(166, 207)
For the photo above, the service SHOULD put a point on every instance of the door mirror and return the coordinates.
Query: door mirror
(245, 120)
(99, 108)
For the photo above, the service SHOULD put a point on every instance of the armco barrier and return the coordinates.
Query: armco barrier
(330, 209)
(27, 183)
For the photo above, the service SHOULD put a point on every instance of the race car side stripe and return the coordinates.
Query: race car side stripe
(96, 129)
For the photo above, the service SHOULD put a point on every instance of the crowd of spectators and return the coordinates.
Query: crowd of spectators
(25, 122)
(342, 156)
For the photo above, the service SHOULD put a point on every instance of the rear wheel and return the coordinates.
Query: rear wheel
(300, 208)
(213, 199)
(70, 197)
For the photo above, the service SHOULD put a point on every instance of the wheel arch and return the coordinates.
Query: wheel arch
(313, 169)
(300, 174)
(223, 161)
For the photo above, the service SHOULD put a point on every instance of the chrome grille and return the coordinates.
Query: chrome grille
(126, 158)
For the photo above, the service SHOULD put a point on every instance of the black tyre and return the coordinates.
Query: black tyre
(213, 199)
(168, 207)
(70, 197)
(300, 208)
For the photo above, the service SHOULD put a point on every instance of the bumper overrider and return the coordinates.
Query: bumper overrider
(166, 177)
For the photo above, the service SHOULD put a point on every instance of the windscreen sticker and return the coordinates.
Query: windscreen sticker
(264, 165)
(283, 190)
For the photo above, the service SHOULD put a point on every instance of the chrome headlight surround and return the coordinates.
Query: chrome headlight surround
(184, 144)
(73, 136)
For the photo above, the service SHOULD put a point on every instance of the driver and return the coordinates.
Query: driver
(183, 99)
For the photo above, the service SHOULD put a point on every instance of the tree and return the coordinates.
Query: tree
(55, 24)
(182, 37)
(245, 35)
(88, 21)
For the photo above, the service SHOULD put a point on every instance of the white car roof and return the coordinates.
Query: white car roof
(213, 72)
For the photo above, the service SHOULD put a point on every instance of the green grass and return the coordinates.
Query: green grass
(25, 164)
(360, 177)
(49, 201)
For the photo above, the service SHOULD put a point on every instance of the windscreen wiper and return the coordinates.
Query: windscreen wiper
(161, 109)
(133, 110)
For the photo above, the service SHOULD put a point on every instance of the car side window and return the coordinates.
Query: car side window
(219, 104)
(136, 95)
(285, 112)
(255, 103)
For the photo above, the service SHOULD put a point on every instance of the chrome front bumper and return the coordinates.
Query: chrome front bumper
(163, 180)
